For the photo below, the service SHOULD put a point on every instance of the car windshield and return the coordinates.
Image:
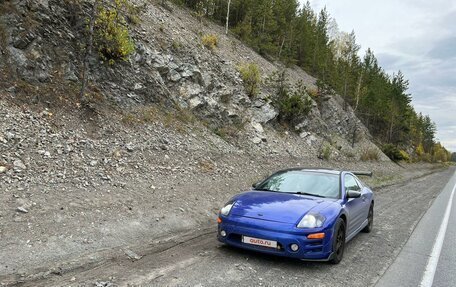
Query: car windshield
(303, 182)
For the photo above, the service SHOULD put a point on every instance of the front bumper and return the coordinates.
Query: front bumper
(284, 234)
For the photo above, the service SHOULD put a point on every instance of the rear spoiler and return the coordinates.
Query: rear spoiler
(363, 173)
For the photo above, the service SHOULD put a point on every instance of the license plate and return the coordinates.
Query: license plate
(259, 242)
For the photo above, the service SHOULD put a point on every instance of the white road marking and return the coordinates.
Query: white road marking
(428, 277)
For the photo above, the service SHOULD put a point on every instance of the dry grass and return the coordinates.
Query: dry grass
(179, 120)
(210, 41)
(231, 131)
(369, 154)
(206, 166)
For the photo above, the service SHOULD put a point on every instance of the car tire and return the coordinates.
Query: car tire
(370, 220)
(338, 241)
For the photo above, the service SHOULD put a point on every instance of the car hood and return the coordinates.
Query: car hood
(275, 206)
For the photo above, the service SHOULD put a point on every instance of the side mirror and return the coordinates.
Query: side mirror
(353, 193)
(256, 184)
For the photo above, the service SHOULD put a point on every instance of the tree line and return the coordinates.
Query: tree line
(282, 29)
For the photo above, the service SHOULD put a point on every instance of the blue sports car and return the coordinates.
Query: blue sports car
(302, 213)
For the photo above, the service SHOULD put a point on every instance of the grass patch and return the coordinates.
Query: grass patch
(153, 114)
(383, 180)
(325, 152)
(210, 41)
(228, 132)
(369, 154)
(206, 166)
(176, 46)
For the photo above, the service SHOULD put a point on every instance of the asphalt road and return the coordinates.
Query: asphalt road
(198, 259)
(429, 256)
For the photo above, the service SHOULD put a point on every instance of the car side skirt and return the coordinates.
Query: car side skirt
(358, 230)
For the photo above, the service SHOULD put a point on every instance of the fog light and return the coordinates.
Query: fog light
(223, 233)
(294, 247)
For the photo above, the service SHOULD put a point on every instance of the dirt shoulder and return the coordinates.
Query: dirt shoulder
(173, 254)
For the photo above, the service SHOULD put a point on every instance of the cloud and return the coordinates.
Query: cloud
(417, 37)
(444, 49)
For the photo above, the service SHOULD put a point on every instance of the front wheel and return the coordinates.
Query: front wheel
(338, 241)
(370, 220)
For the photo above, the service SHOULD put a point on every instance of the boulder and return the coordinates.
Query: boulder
(264, 114)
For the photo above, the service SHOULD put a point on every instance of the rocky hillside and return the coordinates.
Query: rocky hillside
(170, 71)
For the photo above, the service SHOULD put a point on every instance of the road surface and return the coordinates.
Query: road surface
(429, 256)
(198, 259)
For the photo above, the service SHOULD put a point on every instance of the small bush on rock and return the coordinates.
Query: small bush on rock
(112, 38)
(293, 106)
(250, 74)
(292, 102)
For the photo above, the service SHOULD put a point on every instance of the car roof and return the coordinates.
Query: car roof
(317, 170)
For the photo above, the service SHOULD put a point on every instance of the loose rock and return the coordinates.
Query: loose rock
(21, 209)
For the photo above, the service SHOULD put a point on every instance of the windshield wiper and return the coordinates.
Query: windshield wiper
(311, 194)
(265, 189)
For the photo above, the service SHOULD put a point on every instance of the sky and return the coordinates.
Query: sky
(415, 36)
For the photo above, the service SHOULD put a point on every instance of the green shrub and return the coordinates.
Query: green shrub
(111, 35)
(426, 157)
(210, 41)
(325, 152)
(293, 106)
(177, 46)
(292, 103)
(250, 74)
(419, 150)
(369, 154)
(405, 156)
(392, 152)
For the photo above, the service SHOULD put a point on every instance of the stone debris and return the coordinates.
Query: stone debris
(104, 284)
(21, 209)
(132, 255)
(19, 165)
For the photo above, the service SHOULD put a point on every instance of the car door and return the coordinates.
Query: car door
(355, 206)
(366, 199)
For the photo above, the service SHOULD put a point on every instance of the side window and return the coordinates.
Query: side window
(360, 183)
(351, 183)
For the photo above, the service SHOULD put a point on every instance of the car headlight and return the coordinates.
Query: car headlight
(226, 209)
(311, 221)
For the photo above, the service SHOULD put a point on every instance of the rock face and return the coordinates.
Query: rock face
(170, 67)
